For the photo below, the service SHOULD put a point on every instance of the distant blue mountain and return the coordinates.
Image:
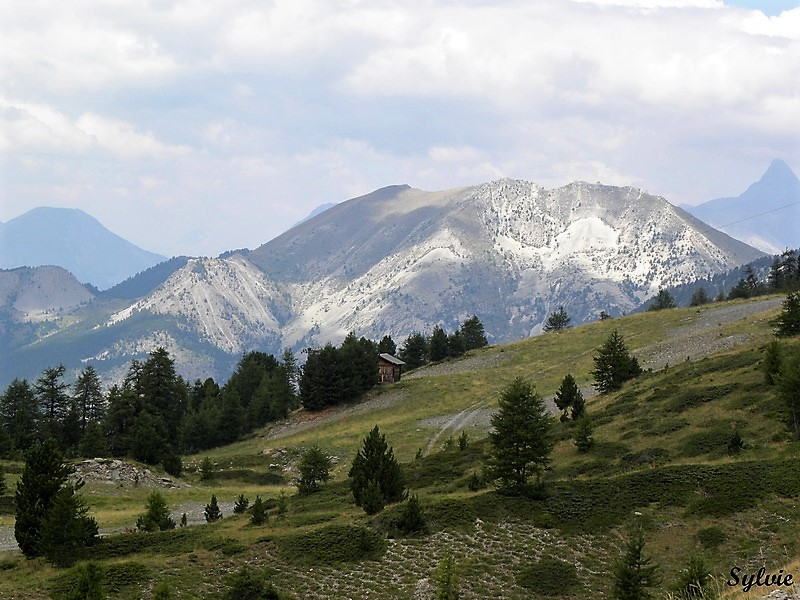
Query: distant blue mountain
(766, 216)
(71, 239)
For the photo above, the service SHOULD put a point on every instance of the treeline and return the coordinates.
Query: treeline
(419, 349)
(153, 416)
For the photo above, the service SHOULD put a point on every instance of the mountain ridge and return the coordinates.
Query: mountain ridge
(74, 240)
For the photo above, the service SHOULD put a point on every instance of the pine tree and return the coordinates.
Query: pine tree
(258, 514)
(445, 579)
(568, 397)
(699, 297)
(414, 351)
(634, 573)
(473, 333)
(372, 500)
(788, 322)
(2, 481)
(789, 391)
(19, 414)
(772, 362)
(376, 462)
(156, 516)
(584, 439)
(67, 528)
(314, 467)
(241, 504)
(44, 474)
(663, 301)
(412, 518)
(88, 396)
(387, 345)
(614, 364)
(438, 344)
(520, 436)
(212, 511)
(557, 321)
(50, 391)
(90, 583)
(455, 344)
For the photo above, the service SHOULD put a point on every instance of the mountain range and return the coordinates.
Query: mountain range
(74, 240)
(766, 215)
(395, 261)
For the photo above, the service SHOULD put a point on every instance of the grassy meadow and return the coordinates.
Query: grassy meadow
(660, 459)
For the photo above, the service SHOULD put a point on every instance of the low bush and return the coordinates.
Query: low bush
(332, 544)
(549, 577)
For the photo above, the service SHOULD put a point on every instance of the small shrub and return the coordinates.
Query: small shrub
(206, 469)
(475, 482)
(241, 504)
(332, 544)
(163, 591)
(172, 464)
(449, 444)
(463, 440)
(315, 467)
(711, 537)
(735, 443)
(412, 519)
(247, 584)
(549, 577)
(90, 583)
(282, 504)
(694, 580)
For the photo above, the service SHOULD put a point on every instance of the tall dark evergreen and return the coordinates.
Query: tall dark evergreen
(163, 393)
(789, 391)
(438, 344)
(19, 414)
(788, 321)
(387, 346)
(456, 346)
(557, 321)
(520, 436)
(634, 573)
(54, 402)
(414, 351)
(375, 462)
(614, 364)
(88, 395)
(569, 399)
(662, 301)
(67, 528)
(44, 474)
(699, 297)
(473, 333)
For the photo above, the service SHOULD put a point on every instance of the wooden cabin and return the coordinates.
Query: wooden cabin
(390, 367)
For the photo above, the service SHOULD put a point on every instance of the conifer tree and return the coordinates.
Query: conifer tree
(67, 528)
(568, 397)
(634, 573)
(212, 511)
(699, 297)
(241, 504)
(376, 462)
(473, 332)
(50, 391)
(44, 474)
(557, 321)
(663, 301)
(387, 346)
(258, 513)
(614, 364)
(156, 516)
(788, 322)
(2, 481)
(88, 395)
(446, 579)
(520, 436)
(19, 414)
(438, 344)
(414, 351)
(789, 391)
(772, 362)
(584, 439)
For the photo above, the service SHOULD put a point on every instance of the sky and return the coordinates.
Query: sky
(192, 127)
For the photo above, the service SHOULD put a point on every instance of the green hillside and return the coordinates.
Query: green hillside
(660, 459)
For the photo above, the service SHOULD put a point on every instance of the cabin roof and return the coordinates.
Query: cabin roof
(392, 359)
